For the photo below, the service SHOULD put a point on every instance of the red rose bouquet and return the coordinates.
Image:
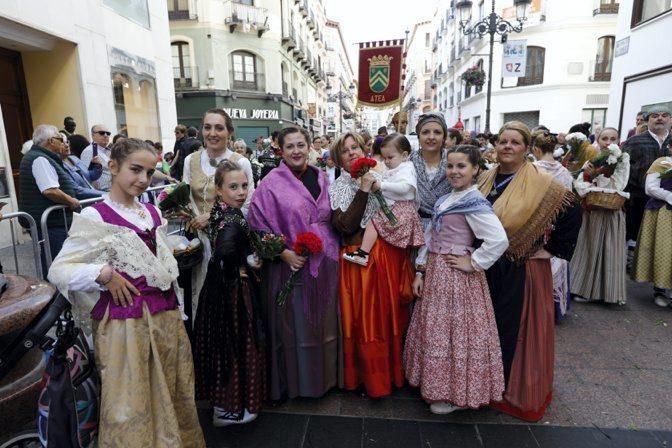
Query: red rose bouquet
(306, 244)
(359, 168)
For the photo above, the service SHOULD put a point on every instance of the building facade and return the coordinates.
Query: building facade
(642, 74)
(417, 86)
(262, 61)
(570, 46)
(341, 112)
(71, 58)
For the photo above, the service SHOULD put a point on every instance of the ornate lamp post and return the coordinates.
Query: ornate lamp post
(340, 96)
(492, 25)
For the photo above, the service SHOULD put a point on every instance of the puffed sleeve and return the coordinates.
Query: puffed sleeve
(231, 249)
(488, 228)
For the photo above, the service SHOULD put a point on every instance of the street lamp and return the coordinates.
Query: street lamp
(340, 95)
(492, 25)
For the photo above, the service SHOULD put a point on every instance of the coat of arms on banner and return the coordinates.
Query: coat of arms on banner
(379, 73)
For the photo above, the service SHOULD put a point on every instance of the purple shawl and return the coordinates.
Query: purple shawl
(282, 204)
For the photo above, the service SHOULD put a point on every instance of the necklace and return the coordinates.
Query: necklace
(137, 208)
(496, 185)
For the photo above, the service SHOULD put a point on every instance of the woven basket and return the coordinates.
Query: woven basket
(606, 201)
(187, 259)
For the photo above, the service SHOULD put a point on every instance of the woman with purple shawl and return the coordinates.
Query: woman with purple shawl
(303, 333)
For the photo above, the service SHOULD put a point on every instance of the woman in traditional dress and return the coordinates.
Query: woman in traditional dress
(374, 299)
(452, 349)
(598, 266)
(653, 255)
(199, 173)
(116, 268)
(541, 220)
(228, 334)
(303, 333)
(543, 147)
(430, 163)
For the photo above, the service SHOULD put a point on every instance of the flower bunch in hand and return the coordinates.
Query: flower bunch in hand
(305, 245)
(174, 200)
(605, 163)
(359, 168)
(267, 245)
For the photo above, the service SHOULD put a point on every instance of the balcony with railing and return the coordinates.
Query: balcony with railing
(185, 77)
(245, 17)
(606, 7)
(178, 10)
(303, 8)
(308, 59)
(289, 38)
(310, 20)
(601, 71)
(250, 81)
(299, 50)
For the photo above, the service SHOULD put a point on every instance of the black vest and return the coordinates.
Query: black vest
(32, 201)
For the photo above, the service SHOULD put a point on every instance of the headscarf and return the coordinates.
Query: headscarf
(431, 117)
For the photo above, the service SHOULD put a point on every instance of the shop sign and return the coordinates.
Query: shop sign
(253, 114)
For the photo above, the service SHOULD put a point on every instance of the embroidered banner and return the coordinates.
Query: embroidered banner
(380, 73)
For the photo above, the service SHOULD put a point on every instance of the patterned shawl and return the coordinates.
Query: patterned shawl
(429, 191)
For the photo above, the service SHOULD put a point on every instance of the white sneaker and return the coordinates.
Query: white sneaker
(662, 301)
(443, 408)
(221, 418)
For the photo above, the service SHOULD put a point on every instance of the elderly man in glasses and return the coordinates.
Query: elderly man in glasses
(98, 152)
(45, 182)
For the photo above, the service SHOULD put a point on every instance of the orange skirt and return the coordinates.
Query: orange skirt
(530, 387)
(375, 315)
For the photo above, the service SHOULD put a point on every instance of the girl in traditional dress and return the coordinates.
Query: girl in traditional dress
(399, 187)
(228, 355)
(452, 349)
(653, 255)
(541, 220)
(117, 267)
(598, 266)
(544, 147)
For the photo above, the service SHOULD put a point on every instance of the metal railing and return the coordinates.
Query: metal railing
(236, 13)
(185, 77)
(242, 81)
(32, 228)
(60, 207)
(606, 8)
(601, 71)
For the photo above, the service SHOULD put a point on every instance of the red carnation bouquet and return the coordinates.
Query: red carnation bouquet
(359, 168)
(306, 244)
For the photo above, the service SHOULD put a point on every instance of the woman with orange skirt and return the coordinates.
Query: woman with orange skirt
(374, 299)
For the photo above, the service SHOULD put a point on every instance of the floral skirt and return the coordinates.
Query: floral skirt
(147, 382)
(408, 231)
(653, 255)
(452, 349)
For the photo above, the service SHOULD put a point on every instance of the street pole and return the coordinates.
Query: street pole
(492, 30)
(340, 108)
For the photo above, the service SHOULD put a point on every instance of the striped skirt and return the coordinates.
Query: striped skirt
(597, 269)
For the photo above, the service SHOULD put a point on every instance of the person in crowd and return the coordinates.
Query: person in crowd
(400, 122)
(100, 138)
(331, 170)
(259, 142)
(375, 151)
(69, 126)
(191, 143)
(302, 333)
(454, 138)
(543, 147)
(117, 137)
(430, 163)
(398, 186)
(583, 128)
(375, 298)
(542, 220)
(275, 143)
(79, 174)
(639, 120)
(598, 266)
(199, 173)
(652, 258)
(452, 349)
(179, 154)
(228, 333)
(382, 131)
(45, 182)
(368, 141)
(77, 144)
(240, 147)
(117, 270)
(315, 152)
(644, 149)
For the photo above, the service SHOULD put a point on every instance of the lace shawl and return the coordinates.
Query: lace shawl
(342, 192)
(121, 248)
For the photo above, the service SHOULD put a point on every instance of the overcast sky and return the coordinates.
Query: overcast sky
(365, 20)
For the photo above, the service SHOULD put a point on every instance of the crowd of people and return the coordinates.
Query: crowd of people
(446, 266)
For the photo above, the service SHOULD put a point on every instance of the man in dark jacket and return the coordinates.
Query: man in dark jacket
(644, 149)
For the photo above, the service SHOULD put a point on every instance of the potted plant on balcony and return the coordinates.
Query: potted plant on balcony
(474, 76)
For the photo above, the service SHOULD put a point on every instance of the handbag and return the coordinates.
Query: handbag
(69, 403)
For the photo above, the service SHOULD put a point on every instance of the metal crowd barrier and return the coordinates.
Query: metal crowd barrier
(84, 202)
(33, 237)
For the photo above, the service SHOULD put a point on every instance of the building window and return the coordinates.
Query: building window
(596, 117)
(440, 103)
(534, 69)
(604, 59)
(136, 11)
(643, 10)
(607, 7)
(451, 95)
(427, 40)
(178, 9)
(135, 104)
(183, 72)
(246, 73)
(445, 98)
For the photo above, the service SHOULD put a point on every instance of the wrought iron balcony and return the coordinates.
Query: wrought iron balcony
(289, 38)
(252, 81)
(178, 10)
(606, 8)
(245, 17)
(602, 71)
(299, 50)
(185, 77)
